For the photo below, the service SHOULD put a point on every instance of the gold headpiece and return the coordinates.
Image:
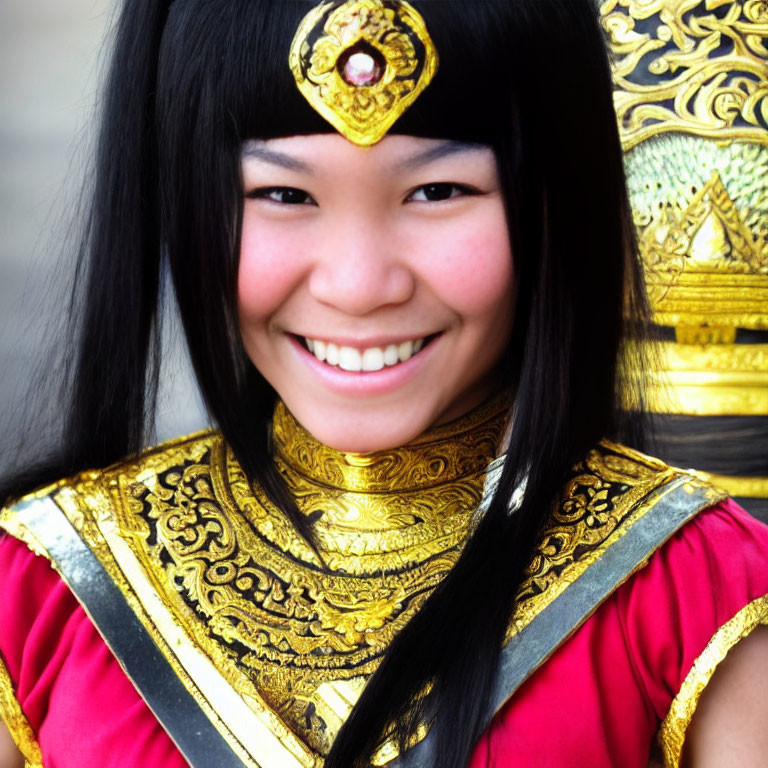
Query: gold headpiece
(692, 102)
(362, 63)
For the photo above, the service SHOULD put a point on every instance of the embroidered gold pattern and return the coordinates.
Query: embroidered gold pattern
(675, 724)
(87, 504)
(16, 721)
(296, 641)
(611, 489)
(250, 586)
(390, 33)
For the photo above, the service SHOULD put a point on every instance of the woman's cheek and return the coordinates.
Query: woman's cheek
(470, 268)
(271, 266)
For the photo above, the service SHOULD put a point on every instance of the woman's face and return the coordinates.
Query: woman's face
(375, 288)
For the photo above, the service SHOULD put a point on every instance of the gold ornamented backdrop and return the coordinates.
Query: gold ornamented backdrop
(691, 96)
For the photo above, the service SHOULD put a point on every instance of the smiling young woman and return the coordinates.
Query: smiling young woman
(350, 257)
(411, 538)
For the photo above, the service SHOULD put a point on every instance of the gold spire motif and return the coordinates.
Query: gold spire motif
(362, 63)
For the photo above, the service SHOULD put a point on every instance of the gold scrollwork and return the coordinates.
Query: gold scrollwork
(605, 492)
(294, 637)
(305, 636)
(394, 32)
(696, 66)
(289, 622)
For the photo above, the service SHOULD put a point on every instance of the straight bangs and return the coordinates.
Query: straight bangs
(241, 51)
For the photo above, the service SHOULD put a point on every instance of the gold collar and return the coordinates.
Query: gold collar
(380, 511)
(388, 528)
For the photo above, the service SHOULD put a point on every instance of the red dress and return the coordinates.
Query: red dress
(598, 701)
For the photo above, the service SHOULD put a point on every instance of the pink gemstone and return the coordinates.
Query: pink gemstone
(361, 69)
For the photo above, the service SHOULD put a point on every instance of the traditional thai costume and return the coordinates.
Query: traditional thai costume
(164, 611)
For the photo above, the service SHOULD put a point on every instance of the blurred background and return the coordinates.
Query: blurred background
(51, 59)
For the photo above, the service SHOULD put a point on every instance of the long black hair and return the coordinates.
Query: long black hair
(190, 81)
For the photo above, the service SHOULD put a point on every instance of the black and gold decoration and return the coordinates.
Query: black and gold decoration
(362, 63)
(691, 80)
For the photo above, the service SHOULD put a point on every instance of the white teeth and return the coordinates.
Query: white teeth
(390, 355)
(350, 359)
(371, 359)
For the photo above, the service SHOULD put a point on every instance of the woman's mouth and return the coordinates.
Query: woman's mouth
(368, 359)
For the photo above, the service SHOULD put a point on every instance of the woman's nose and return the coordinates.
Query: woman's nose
(357, 269)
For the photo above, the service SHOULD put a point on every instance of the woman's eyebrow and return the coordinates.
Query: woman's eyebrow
(258, 149)
(437, 152)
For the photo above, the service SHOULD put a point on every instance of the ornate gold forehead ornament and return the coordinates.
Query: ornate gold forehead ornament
(362, 63)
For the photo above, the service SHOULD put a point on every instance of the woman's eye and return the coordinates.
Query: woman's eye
(282, 195)
(434, 193)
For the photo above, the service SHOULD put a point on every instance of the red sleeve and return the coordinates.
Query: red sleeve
(599, 699)
(708, 572)
(84, 710)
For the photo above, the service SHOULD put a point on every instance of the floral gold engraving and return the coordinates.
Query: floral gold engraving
(250, 585)
(86, 501)
(610, 490)
(394, 32)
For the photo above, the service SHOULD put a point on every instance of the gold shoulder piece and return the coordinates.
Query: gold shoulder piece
(675, 725)
(362, 63)
(86, 490)
(607, 493)
(274, 642)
